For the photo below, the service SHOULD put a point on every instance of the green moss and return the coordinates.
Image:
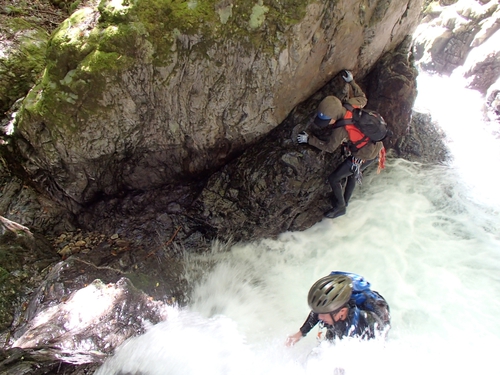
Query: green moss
(20, 67)
(81, 60)
(243, 21)
(3, 275)
(86, 53)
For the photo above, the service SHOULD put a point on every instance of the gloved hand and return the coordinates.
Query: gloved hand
(302, 137)
(347, 75)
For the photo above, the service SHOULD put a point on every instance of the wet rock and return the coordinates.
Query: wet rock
(392, 90)
(97, 317)
(462, 38)
(21, 203)
(482, 67)
(279, 185)
(493, 102)
(17, 361)
(24, 261)
(424, 141)
(75, 333)
(33, 284)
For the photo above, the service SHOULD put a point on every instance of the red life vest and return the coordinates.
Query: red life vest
(355, 134)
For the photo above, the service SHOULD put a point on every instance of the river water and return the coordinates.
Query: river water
(426, 237)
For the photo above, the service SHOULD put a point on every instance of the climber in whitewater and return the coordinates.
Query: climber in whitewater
(361, 144)
(344, 305)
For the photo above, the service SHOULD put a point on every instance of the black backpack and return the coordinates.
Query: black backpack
(370, 124)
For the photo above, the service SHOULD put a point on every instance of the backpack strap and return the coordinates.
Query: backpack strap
(345, 121)
(348, 106)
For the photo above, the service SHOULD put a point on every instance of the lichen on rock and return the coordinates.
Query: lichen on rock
(22, 59)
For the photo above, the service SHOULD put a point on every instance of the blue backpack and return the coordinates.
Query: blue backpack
(365, 298)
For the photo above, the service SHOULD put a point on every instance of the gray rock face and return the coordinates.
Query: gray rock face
(23, 260)
(493, 102)
(424, 141)
(462, 38)
(77, 331)
(278, 185)
(105, 315)
(126, 104)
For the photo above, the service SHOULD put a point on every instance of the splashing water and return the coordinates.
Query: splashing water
(426, 237)
(473, 141)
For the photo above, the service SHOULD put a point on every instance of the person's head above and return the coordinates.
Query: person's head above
(328, 297)
(329, 110)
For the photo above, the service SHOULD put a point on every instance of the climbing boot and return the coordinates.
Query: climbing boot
(336, 212)
(339, 208)
(338, 195)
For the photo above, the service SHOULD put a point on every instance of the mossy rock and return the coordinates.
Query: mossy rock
(91, 50)
(23, 59)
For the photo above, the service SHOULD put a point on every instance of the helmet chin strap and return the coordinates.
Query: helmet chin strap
(332, 315)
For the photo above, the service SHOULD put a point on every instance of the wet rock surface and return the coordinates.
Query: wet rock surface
(17, 361)
(24, 259)
(462, 38)
(424, 141)
(278, 185)
(94, 319)
(66, 315)
(74, 334)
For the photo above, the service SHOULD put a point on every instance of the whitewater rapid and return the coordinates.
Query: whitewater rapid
(426, 237)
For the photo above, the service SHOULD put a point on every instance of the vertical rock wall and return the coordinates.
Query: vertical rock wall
(139, 96)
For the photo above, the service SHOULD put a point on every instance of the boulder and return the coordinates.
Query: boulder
(73, 334)
(143, 95)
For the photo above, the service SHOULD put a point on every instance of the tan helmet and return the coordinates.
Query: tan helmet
(329, 293)
(332, 107)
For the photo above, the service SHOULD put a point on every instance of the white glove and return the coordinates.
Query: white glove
(347, 75)
(302, 137)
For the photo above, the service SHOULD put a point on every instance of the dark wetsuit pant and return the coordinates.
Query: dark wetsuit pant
(346, 169)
